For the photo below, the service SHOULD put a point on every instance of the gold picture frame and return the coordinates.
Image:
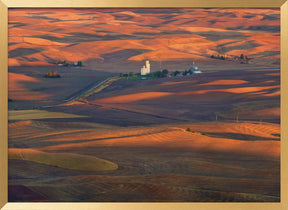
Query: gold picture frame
(6, 4)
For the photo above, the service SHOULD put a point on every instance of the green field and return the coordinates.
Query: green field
(63, 160)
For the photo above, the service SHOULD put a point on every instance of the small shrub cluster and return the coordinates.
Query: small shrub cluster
(130, 74)
(51, 74)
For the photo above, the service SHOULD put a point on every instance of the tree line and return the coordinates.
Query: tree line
(156, 74)
(51, 74)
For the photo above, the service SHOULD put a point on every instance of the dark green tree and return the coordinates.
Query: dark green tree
(165, 72)
(176, 72)
(157, 74)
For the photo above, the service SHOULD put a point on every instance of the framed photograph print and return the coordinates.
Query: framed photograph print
(143, 104)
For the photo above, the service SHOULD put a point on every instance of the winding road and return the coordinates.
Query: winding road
(86, 92)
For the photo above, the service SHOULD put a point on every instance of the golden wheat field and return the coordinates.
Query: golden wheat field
(87, 125)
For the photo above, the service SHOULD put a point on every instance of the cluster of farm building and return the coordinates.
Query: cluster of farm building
(145, 72)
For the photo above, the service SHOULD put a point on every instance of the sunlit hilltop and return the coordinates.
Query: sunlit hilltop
(44, 37)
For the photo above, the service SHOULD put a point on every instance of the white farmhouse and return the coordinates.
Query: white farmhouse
(194, 69)
(145, 69)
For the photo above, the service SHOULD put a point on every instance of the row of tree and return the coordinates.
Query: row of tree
(51, 74)
(241, 59)
(221, 57)
(157, 74)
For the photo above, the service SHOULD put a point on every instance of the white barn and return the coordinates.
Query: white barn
(194, 69)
